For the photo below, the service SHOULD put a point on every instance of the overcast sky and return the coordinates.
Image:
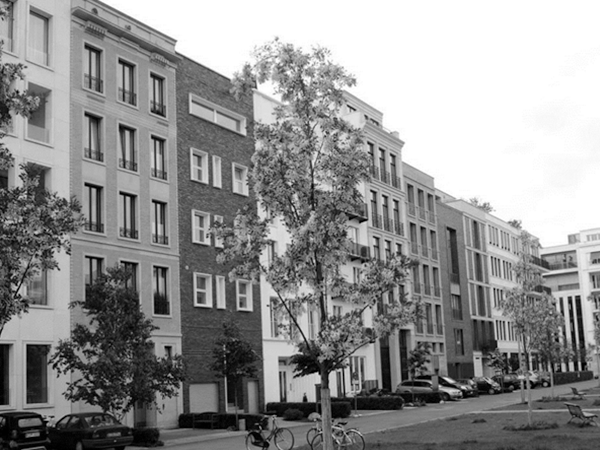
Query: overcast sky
(498, 100)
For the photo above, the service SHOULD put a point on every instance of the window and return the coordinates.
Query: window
(39, 122)
(337, 311)
(274, 316)
(93, 208)
(439, 322)
(240, 176)
(161, 298)
(203, 290)
(200, 225)
(132, 270)
(456, 306)
(459, 345)
(157, 96)
(355, 275)
(221, 296)
(158, 158)
(244, 295)
(159, 223)
(126, 77)
(213, 113)
(5, 374)
(387, 249)
(128, 205)
(36, 377)
(128, 156)
(92, 69)
(93, 269)
(92, 146)
(6, 32)
(216, 167)
(39, 38)
(199, 165)
(376, 248)
(218, 241)
(37, 289)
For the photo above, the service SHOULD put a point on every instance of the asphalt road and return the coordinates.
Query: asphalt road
(375, 421)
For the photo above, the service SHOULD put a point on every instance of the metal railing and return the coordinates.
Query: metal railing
(96, 155)
(160, 239)
(127, 96)
(130, 233)
(157, 173)
(128, 164)
(95, 227)
(93, 83)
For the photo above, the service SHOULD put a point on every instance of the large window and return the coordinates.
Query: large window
(128, 219)
(126, 77)
(244, 295)
(213, 113)
(128, 155)
(203, 290)
(39, 37)
(200, 226)
(162, 306)
(132, 270)
(199, 165)
(5, 374)
(6, 29)
(240, 179)
(92, 69)
(274, 317)
(93, 267)
(459, 344)
(39, 122)
(37, 289)
(158, 159)
(93, 208)
(159, 223)
(157, 96)
(92, 147)
(221, 295)
(36, 377)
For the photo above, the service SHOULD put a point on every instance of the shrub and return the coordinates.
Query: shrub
(147, 437)
(572, 377)
(339, 409)
(384, 402)
(433, 397)
(292, 414)
(225, 421)
(552, 399)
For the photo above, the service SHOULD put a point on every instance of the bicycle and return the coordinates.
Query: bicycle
(282, 437)
(347, 439)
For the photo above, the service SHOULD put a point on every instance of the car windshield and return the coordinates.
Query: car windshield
(26, 422)
(450, 380)
(101, 420)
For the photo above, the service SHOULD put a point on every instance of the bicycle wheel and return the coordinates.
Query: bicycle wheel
(284, 439)
(310, 434)
(317, 441)
(353, 440)
(249, 445)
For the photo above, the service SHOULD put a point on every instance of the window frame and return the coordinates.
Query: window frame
(205, 229)
(217, 172)
(216, 110)
(134, 216)
(130, 164)
(98, 227)
(31, 57)
(9, 39)
(46, 101)
(220, 292)
(247, 296)
(121, 91)
(89, 153)
(153, 103)
(155, 172)
(207, 290)
(87, 78)
(160, 219)
(244, 188)
(155, 291)
(195, 152)
(45, 372)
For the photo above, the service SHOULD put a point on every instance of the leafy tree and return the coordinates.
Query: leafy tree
(34, 223)
(516, 223)
(596, 300)
(521, 304)
(485, 206)
(307, 168)
(419, 358)
(233, 358)
(497, 361)
(112, 356)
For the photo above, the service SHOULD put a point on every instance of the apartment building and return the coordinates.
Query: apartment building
(574, 277)
(35, 33)
(123, 169)
(423, 236)
(215, 146)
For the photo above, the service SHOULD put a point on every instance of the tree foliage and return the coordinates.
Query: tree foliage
(233, 356)
(112, 357)
(478, 203)
(307, 168)
(497, 361)
(34, 222)
(419, 358)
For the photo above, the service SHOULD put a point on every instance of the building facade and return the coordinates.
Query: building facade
(123, 170)
(215, 146)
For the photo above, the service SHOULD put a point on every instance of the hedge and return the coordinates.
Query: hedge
(227, 420)
(572, 377)
(339, 409)
(146, 437)
(429, 397)
(374, 402)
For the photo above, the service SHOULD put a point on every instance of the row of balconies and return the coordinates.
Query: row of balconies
(421, 212)
(386, 177)
(427, 289)
(423, 250)
(388, 224)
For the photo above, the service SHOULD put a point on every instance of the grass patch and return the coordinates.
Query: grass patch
(541, 425)
(552, 399)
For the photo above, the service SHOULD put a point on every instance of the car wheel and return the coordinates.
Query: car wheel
(445, 397)
(545, 383)
(492, 391)
(79, 446)
(511, 388)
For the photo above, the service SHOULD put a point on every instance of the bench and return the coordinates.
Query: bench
(577, 413)
(577, 394)
(205, 418)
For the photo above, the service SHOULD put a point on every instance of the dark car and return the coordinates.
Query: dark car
(92, 430)
(509, 381)
(426, 387)
(445, 381)
(487, 385)
(23, 430)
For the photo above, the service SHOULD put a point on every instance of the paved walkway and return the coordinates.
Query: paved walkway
(375, 421)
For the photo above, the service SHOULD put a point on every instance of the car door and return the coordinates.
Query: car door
(68, 433)
(422, 387)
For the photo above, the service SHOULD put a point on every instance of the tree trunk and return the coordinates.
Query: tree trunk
(326, 410)
(552, 381)
(529, 409)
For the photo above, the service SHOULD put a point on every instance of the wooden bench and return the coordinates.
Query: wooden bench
(577, 413)
(577, 394)
(205, 418)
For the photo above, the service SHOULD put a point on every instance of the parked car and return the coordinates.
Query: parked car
(445, 381)
(487, 385)
(543, 378)
(23, 430)
(91, 430)
(509, 381)
(426, 387)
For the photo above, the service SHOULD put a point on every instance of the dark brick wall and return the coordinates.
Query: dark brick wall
(459, 366)
(200, 326)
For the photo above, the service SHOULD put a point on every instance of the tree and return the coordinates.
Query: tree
(516, 223)
(596, 300)
(419, 358)
(233, 358)
(523, 303)
(113, 355)
(307, 168)
(497, 361)
(478, 203)
(34, 222)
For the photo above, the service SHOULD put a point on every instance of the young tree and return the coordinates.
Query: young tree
(521, 305)
(34, 223)
(307, 168)
(497, 361)
(419, 358)
(596, 300)
(113, 355)
(233, 358)
(485, 206)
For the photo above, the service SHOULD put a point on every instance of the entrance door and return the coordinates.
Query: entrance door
(282, 386)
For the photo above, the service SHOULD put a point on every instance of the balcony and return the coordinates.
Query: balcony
(160, 239)
(128, 97)
(388, 224)
(414, 248)
(412, 209)
(129, 233)
(563, 265)
(95, 227)
(359, 213)
(539, 262)
(543, 289)
(399, 228)
(158, 108)
(157, 173)
(422, 213)
(385, 176)
(377, 221)
(96, 155)
(427, 289)
(374, 170)
(396, 182)
(128, 164)
(359, 252)
(431, 217)
(92, 83)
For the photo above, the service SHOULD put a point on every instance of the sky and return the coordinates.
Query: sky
(495, 100)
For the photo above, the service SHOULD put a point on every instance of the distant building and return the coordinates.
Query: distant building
(574, 278)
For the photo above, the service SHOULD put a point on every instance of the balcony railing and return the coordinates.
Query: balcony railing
(396, 182)
(437, 291)
(93, 83)
(359, 251)
(417, 288)
(157, 173)
(568, 287)
(414, 248)
(38, 133)
(412, 209)
(439, 329)
(399, 228)
(434, 254)
(127, 96)
(431, 216)
(128, 164)
(429, 328)
(563, 265)
(427, 289)
(95, 227)
(424, 251)
(359, 213)
(160, 239)
(539, 262)
(422, 213)
(96, 155)
(374, 172)
(420, 326)
(161, 305)
(385, 176)
(388, 224)
(376, 219)
(158, 108)
(130, 233)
